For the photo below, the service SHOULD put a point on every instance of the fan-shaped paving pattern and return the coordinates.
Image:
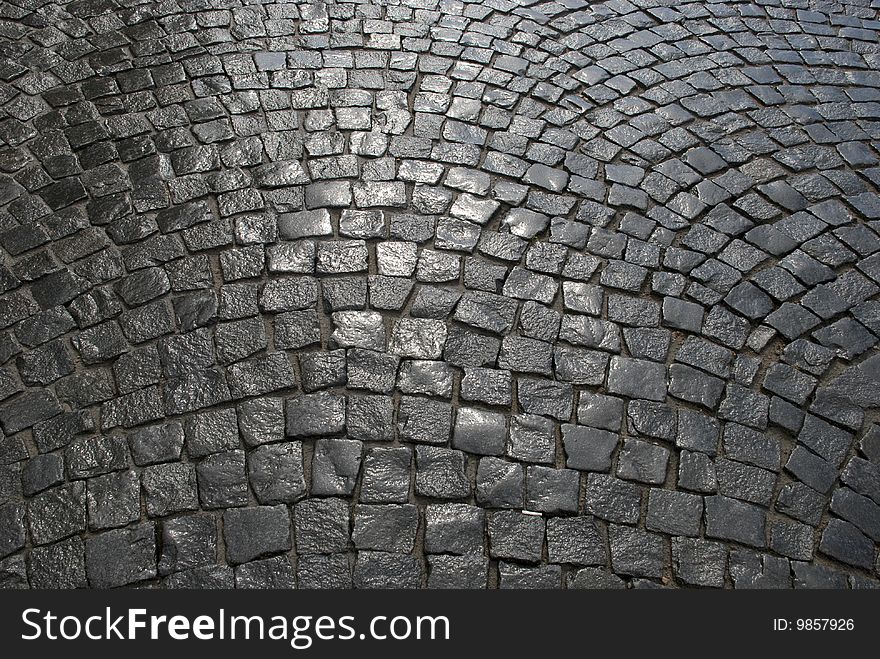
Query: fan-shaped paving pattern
(420, 293)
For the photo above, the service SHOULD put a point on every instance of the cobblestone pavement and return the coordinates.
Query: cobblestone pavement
(439, 293)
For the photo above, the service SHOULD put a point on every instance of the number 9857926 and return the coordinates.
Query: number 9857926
(823, 624)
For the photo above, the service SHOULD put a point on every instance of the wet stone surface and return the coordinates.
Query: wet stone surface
(425, 294)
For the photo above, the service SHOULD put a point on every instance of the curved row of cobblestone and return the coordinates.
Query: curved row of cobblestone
(439, 293)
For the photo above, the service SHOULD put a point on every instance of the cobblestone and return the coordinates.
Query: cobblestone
(431, 294)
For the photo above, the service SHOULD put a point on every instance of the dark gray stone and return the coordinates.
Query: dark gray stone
(187, 542)
(275, 473)
(531, 438)
(376, 569)
(114, 500)
(324, 571)
(643, 462)
(729, 519)
(635, 552)
(12, 529)
(500, 484)
(636, 378)
(699, 562)
(576, 541)
(57, 513)
(211, 432)
(477, 431)
(222, 480)
(386, 477)
(449, 572)
(516, 535)
(440, 473)
(552, 490)
(61, 565)
(276, 573)
(154, 444)
(252, 533)
(454, 528)
(674, 513)
(321, 526)
(121, 557)
(335, 466)
(588, 449)
(311, 415)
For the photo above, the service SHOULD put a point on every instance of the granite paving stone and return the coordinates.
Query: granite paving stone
(437, 294)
